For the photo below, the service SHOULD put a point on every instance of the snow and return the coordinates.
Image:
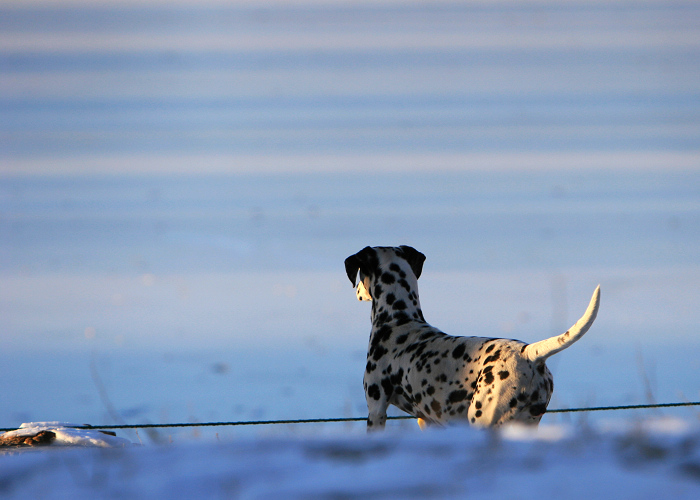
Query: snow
(69, 435)
(655, 459)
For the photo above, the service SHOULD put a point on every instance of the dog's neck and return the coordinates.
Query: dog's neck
(395, 303)
(393, 306)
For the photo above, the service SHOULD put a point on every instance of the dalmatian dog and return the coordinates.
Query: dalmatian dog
(437, 377)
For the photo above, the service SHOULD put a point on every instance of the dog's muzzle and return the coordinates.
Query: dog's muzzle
(363, 289)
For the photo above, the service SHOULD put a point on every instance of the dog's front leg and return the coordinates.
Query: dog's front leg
(376, 420)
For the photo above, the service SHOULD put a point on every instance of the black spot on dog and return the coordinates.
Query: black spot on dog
(538, 409)
(457, 396)
(418, 397)
(404, 284)
(513, 403)
(388, 278)
(458, 351)
(504, 374)
(373, 392)
(488, 378)
(382, 335)
(395, 267)
(370, 367)
(381, 318)
(399, 305)
(401, 318)
(435, 405)
(490, 348)
(390, 298)
(388, 388)
(379, 352)
(493, 358)
(401, 338)
(397, 377)
(430, 390)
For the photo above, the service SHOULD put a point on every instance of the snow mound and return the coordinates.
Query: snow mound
(64, 434)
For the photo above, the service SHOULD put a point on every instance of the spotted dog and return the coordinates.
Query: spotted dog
(437, 377)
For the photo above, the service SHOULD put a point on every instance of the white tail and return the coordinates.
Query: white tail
(539, 351)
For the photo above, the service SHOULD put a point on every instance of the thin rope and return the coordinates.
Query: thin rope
(625, 407)
(348, 419)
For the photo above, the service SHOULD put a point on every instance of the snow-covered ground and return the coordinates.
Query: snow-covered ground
(657, 459)
(180, 184)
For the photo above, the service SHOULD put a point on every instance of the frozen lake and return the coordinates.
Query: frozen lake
(179, 188)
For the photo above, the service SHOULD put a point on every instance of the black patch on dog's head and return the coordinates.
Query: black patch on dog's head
(365, 261)
(414, 258)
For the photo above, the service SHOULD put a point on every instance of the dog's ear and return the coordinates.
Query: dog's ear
(352, 266)
(414, 258)
(357, 262)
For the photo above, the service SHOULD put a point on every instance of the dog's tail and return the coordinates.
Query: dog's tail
(539, 351)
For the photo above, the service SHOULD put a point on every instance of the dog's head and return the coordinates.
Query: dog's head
(372, 262)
